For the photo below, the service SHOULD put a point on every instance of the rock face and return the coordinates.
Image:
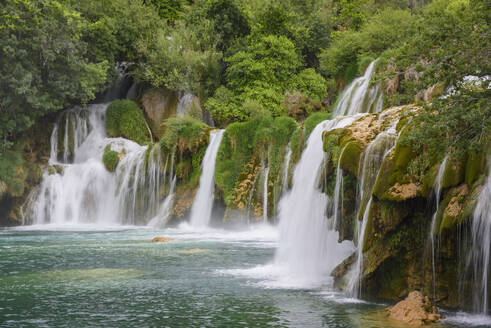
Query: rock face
(396, 247)
(159, 104)
(415, 310)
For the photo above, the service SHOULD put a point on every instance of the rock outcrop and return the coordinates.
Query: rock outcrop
(415, 310)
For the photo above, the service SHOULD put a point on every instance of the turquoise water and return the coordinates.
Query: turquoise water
(116, 277)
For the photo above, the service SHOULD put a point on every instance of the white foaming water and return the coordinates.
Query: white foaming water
(203, 202)
(478, 259)
(165, 209)
(83, 191)
(185, 100)
(438, 190)
(374, 156)
(358, 97)
(308, 249)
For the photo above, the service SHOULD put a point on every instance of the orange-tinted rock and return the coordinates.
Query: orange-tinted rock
(415, 310)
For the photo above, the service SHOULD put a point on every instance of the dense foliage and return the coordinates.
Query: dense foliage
(238, 55)
(125, 119)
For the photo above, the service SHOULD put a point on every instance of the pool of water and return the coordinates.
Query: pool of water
(115, 277)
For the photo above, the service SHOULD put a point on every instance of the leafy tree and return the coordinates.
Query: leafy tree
(43, 63)
(170, 10)
(178, 60)
(229, 22)
(271, 60)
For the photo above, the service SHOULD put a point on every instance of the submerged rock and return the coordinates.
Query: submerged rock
(161, 240)
(193, 251)
(415, 310)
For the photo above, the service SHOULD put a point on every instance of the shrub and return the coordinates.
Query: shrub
(185, 132)
(125, 119)
(110, 159)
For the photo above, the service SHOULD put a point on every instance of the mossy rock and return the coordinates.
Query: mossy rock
(15, 187)
(458, 205)
(110, 159)
(454, 173)
(350, 159)
(393, 174)
(475, 166)
(125, 119)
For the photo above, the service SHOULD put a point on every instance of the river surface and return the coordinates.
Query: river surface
(53, 276)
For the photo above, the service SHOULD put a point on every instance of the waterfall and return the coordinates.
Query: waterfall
(338, 190)
(286, 169)
(359, 97)
(265, 194)
(203, 202)
(82, 190)
(438, 189)
(308, 250)
(374, 156)
(478, 258)
(165, 209)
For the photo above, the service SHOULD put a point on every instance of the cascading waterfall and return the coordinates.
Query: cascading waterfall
(478, 258)
(81, 190)
(164, 210)
(203, 202)
(308, 250)
(374, 156)
(359, 97)
(438, 190)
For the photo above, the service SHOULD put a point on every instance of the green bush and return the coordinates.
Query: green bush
(186, 133)
(125, 119)
(311, 84)
(110, 159)
(312, 121)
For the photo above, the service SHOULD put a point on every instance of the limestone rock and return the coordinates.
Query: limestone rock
(415, 310)
(161, 240)
(159, 104)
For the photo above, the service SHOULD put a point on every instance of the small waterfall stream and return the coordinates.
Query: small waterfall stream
(338, 191)
(265, 194)
(359, 97)
(374, 156)
(286, 169)
(478, 257)
(203, 202)
(438, 190)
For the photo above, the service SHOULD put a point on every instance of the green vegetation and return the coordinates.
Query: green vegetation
(110, 159)
(185, 133)
(125, 119)
(260, 139)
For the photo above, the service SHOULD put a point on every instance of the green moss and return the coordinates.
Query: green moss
(475, 166)
(393, 170)
(15, 187)
(125, 119)
(454, 173)
(259, 140)
(351, 157)
(187, 133)
(110, 159)
(296, 144)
